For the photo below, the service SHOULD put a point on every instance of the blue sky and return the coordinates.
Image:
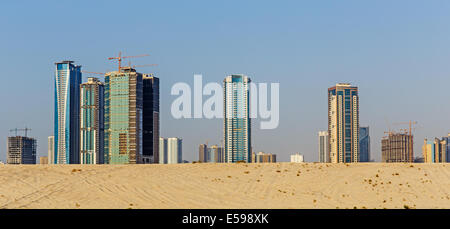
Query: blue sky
(396, 52)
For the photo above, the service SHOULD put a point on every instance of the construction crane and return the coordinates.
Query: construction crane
(98, 73)
(24, 129)
(138, 66)
(410, 123)
(120, 57)
(145, 65)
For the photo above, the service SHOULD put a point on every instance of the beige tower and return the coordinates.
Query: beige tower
(343, 123)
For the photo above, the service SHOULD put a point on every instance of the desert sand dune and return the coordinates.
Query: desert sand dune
(278, 185)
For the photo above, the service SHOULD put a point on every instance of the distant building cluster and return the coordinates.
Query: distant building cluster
(110, 122)
(213, 154)
(117, 121)
(262, 157)
(437, 150)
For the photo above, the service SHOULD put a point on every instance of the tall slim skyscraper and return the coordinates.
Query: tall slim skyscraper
(237, 124)
(324, 155)
(174, 150)
(67, 113)
(150, 119)
(364, 144)
(21, 150)
(51, 150)
(92, 122)
(203, 153)
(343, 123)
(123, 116)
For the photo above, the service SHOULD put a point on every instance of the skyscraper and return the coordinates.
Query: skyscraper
(21, 150)
(92, 122)
(364, 144)
(343, 123)
(174, 150)
(150, 119)
(51, 150)
(215, 154)
(237, 124)
(203, 153)
(67, 108)
(162, 151)
(397, 147)
(324, 155)
(123, 116)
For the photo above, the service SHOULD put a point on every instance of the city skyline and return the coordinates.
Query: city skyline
(308, 48)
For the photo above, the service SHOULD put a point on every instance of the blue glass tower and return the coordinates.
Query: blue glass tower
(237, 125)
(67, 110)
(364, 144)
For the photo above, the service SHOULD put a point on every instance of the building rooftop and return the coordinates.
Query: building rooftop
(65, 62)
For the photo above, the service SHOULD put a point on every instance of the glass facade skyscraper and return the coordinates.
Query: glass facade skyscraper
(237, 124)
(67, 109)
(123, 116)
(92, 122)
(151, 119)
(343, 123)
(364, 144)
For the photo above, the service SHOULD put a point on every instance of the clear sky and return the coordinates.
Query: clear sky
(396, 52)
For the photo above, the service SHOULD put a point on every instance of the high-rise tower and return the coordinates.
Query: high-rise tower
(324, 155)
(51, 149)
(67, 109)
(92, 122)
(123, 116)
(364, 144)
(150, 119)
(237, 124)
(343, 123)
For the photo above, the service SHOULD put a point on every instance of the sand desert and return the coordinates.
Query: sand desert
(217, 186)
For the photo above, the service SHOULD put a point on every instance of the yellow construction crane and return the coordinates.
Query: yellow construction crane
(120, 57)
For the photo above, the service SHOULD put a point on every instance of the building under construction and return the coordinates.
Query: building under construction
(123, 116)
(397, 147)
(21, 150)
